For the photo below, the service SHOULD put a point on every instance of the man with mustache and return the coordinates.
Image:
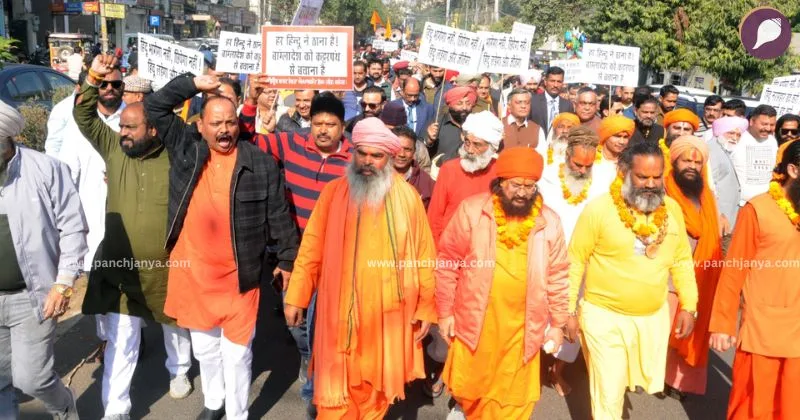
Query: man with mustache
(405, 163)
(667, 100)
(627, 244)
(227, 201)
(754, 156)
(645, 112)
(726, 134)
(365, 226)
(471, 173)
(766, 368)
(135, 224)
(444, 136)
(585, 105)
(518, 129)
(495, 317)
(556, 138)
(687, 184)
(372, 103)
(434, 86)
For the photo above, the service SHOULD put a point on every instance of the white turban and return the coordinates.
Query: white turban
(11, 121)
(485, 126)
(534, 75)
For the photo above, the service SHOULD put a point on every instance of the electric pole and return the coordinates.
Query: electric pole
(103, 28)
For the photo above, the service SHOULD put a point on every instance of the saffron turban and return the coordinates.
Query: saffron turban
(682, 115)
(724, 125)
(614, 125)
(685, 144)
(372, 132)
(11, 121)
(455, 94)
(449, 75)
(566, 116)
(519, 162)
(485, 126)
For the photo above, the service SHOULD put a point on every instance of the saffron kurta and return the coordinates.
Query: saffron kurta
(203, 290)
(366, 298)
(494, 382)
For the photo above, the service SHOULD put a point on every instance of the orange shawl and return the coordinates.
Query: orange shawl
(406, 294)
(702, 225)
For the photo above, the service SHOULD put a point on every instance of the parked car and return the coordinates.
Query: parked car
(22, 82)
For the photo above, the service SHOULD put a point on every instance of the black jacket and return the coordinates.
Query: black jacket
(538, 113)
(259, 208)
(642, 134)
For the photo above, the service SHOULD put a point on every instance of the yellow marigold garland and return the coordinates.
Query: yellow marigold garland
(519, 237)
(776, 191)
(550, 155)
(627, 215)
(573, 199)
(662, 144)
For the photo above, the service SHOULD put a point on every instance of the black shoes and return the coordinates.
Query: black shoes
(209, 414)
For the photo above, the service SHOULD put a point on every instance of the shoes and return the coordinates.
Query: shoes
(209, 414)
(180, 387)
(456, 414)
(311, 411)
(303, 376)
(117, 417)
(71, 413)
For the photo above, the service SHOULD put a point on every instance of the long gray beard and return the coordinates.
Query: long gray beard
(575, 182)
(637, 198)
(472, 164)
(559, 148)
(369, 190)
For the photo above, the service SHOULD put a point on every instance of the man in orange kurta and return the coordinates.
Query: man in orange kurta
(494, 313)
(687, 183)
(761, 265)
(368, 253)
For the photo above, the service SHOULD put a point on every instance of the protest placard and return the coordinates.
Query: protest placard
(504, 53)
(573, 69)
(390, 46)
(787, 81)
(785, 100)
(523, 29)
(606, 64)
(406, 55)
(307, 12)
(451, 48)
(161, 61)
(308, 57)
(239, 53)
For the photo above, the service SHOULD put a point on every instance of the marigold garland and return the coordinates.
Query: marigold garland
(519, 237)
(777, 193)
(550, 155)
(573, 199)
(642, 230)
(662, 144)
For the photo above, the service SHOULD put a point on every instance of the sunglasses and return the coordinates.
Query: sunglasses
(115, 84)
(366, 105)
(790, 131)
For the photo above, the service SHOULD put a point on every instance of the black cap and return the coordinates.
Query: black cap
(328, 103)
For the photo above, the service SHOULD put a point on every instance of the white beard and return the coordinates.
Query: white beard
(472, 164)
(575, 184)
(369, 190)
(639, 202)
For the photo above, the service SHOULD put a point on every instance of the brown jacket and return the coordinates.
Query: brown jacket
(520, 135)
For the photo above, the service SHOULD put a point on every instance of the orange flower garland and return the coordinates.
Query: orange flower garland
(642, 230)
(776, 191)
(519, 237)
(573, 199)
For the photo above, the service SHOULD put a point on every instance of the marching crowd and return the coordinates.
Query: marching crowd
(564, 220)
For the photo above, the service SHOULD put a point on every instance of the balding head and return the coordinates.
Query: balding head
(218, 124)
(411, 91)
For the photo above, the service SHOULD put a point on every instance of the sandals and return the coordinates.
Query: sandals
(433, 389)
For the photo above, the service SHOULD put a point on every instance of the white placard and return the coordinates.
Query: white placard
(787, 81)
(785, 100)
(523, 29)
(239, 53)
(161, 61)
(504, 53)
(307, 12)
(389, 46)
(308, 57)
(450, 48)
(607, 64)
(573, 69)
(377, 44)
(406, 55)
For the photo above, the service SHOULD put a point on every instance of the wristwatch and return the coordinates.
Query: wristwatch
(65, 291)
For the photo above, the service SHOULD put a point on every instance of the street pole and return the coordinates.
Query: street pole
(103, 28)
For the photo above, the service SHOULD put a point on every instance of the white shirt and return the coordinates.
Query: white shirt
(88, 171)
(753, 161)
(60, 116)
(74, 66)
(541, 146)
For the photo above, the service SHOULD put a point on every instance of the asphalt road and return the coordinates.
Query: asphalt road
(275, 391)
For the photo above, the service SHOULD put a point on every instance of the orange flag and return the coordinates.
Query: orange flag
(375, 20)
(388, 33)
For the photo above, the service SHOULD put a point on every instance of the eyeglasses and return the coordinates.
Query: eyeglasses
(366, 105)
(530, 189)
(115, 84)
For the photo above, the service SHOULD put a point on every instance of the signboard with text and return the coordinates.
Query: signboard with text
(606, 64)
(450, 48)
(505, 53)
(160, 61)
(573, 69)
(785, 100)
(239, 53)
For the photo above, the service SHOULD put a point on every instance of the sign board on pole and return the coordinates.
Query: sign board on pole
(787, 81)
(160, 61)
(91, 7)
(406, 55)
(504, 53)
(308, 57)
(606, 64)
(573, 69)
(155, 21)
(307, 12)
(239, 53)
(377, 44)
(523, 29)
(785, 100)
(450, 48)
(389, 46)
(113, 11)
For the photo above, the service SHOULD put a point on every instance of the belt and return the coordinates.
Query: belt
(11, 292)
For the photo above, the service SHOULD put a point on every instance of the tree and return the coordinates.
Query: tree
(355, 13)
(8, 50)
(553, 17)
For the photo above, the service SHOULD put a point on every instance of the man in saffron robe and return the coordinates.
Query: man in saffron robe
(766, 368)
(687, 184)
(369, 225)
(495, 315)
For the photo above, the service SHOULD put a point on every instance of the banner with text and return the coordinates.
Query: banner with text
(606, 64)
(307, 12)
(451, 48)
(785, 100)
(406, 55)
(573, 69)
(161, 61)
(787, 81)
(239, 53)
(504, 53)
(308, 57)
(523, 29)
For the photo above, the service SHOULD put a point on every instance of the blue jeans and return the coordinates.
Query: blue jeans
(304, 337)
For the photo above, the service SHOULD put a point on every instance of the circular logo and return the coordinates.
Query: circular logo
(765, 33)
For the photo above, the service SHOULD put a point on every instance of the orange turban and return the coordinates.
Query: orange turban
(682, 115)
(519, 162)
(455, 94)
(566, 116)
(614, 125)
(684, 144)
(781, 150)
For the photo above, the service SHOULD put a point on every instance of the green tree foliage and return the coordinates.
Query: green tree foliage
(355, 13)
(8, 50)
(553, 17)
(35, 131)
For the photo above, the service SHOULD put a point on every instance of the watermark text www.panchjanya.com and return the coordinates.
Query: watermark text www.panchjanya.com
(747, 264)
(134, 264)
(429, 263)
